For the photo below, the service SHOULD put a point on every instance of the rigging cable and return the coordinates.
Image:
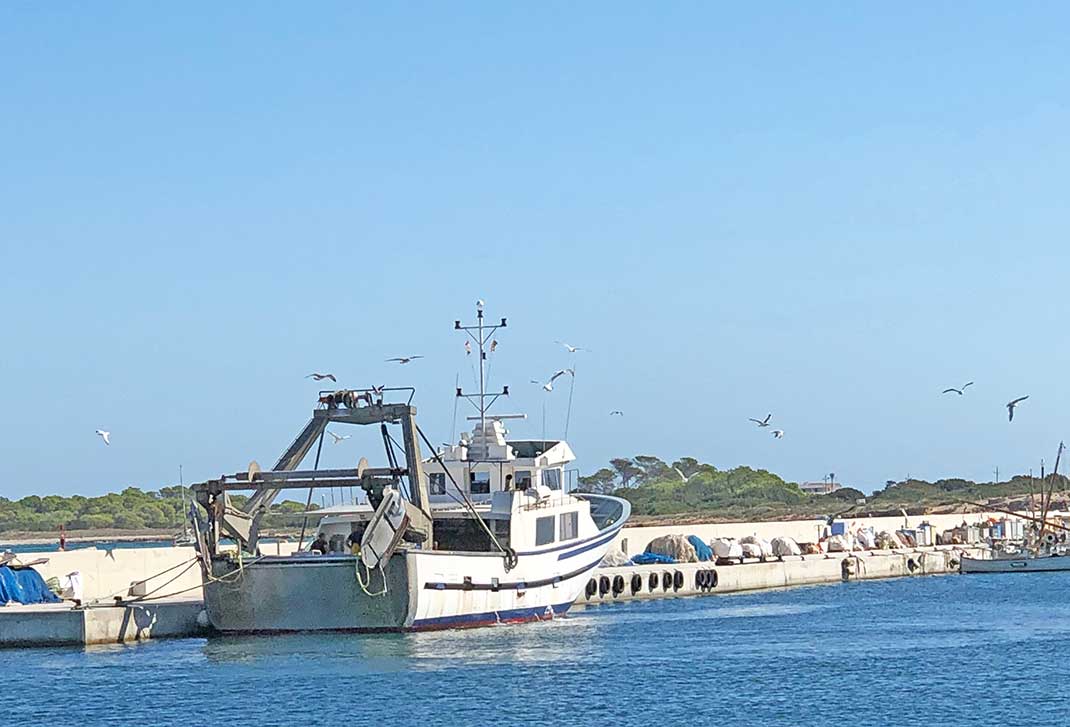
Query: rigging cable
(308, 504)
(456, 399)
(571, 386)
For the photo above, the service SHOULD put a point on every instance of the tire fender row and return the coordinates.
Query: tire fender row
(658, 582)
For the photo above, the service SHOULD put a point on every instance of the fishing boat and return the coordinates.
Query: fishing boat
(480, 532)
(1044, 547)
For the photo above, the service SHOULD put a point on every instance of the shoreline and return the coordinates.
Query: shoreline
(111, 536)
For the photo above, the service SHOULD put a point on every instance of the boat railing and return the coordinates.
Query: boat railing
(548, 502)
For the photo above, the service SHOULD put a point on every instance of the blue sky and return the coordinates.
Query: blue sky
(828, 213)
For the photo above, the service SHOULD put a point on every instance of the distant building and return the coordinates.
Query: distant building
(820, 488)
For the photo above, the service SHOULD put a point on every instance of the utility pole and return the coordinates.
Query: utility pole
(997, 475)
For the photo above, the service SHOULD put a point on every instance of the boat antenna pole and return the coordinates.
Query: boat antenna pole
(481, 334)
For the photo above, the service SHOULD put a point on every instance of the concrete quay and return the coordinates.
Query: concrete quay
(628, 583)
(59, 624)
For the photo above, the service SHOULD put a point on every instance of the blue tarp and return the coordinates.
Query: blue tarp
(648, 558)
(703, 551)
(24, 585)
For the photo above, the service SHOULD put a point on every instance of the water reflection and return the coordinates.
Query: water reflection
(546, 641)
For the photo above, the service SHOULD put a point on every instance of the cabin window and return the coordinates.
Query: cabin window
(437, 483)
(544, 530)
(570, 525)
(479, 483)
(523, 479)
(551, 479)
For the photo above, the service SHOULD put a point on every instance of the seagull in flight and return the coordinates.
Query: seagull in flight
(320, 377)
(1012, 404)
(960, 392)
(106, 436)
(616, 413)
(762, 422)
(403, 359)
(549, 385)
(467, 348)
(339, 438)
(778, 434)
(683, 477)
(570, 349)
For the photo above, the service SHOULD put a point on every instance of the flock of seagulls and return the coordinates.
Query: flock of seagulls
(961, 390)
(1010, 404)
(764, 423)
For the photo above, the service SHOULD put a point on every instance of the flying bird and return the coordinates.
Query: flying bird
(493, 345)
(106, 436)
(778, 434)
(321, 377)
(616, 413)
(339, 437)
(570, 349)
(403, 359)
(960, 392)
(467, 348)
(549, 385)
(762, 422)
(683, 477)
(1012, 404)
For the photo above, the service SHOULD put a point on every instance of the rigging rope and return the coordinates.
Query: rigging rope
(308, 504)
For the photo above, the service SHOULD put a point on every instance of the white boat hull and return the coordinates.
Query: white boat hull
(1047, 563)
(425, 589)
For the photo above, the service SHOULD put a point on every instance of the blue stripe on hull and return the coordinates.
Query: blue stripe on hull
(485, 619)
(589, 546)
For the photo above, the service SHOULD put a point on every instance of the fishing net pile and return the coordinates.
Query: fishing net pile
(677, 547)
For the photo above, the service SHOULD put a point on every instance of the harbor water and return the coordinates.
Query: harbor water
(958, 650)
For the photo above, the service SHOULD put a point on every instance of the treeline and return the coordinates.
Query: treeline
(657, 488)
(686, 486)
(131, 509)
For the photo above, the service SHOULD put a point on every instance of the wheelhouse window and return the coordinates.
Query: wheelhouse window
(479, 483)
(552, 479)
(570, 525)
(523, 479)
(544, 530)
(436, 482)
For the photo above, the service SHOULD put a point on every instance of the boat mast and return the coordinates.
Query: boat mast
(481, 333)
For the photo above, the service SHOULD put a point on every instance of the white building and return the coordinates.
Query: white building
(820, 488)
